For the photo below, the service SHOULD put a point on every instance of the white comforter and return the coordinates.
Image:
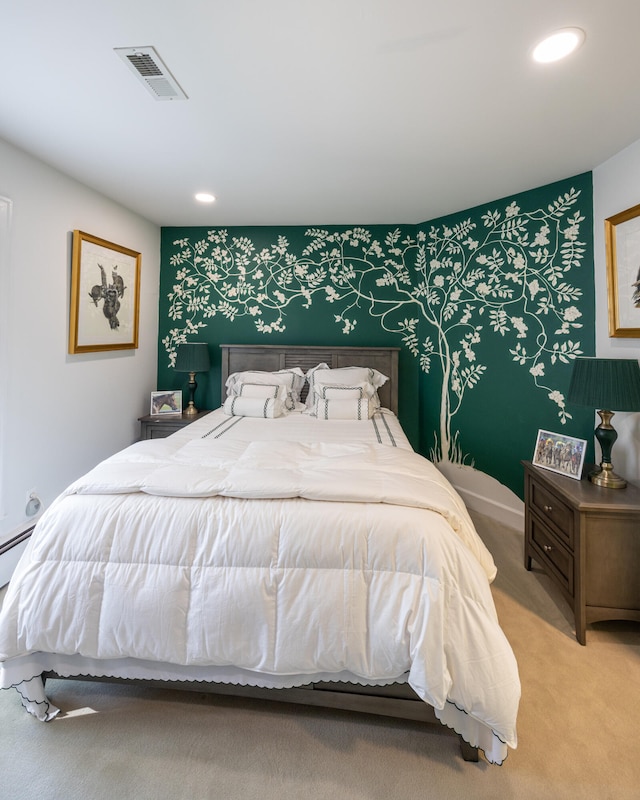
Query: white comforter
(281, 560)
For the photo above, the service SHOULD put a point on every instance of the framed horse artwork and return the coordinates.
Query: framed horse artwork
(560, 453)
(165, 403)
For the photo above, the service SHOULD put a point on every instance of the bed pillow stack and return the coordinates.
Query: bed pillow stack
(344, 393)
(264, 394)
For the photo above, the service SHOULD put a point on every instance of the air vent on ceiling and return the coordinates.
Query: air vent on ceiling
(149, 68)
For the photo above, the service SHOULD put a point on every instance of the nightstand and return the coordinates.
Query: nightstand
(163, 425)
(587, 539)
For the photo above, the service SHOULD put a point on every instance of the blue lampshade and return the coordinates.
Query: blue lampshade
(193, 357)
(611, 383)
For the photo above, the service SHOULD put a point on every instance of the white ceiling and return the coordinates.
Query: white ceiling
(324, 112)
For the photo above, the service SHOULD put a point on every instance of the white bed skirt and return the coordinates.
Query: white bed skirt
(36, 702)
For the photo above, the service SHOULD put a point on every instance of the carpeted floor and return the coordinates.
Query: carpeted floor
(577, 728)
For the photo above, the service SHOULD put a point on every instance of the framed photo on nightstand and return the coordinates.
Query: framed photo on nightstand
(166, 403)
(560, 453)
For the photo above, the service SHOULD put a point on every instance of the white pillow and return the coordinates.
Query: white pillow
(347, 375)
(322, 375)
(267, 408)
(261, 390)
(292, 379)
(344, 409)
(336, 392)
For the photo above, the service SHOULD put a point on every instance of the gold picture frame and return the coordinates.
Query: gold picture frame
(105, 295)
(622, 241)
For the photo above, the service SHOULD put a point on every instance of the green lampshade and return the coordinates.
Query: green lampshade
(611, 383)
(193, 357)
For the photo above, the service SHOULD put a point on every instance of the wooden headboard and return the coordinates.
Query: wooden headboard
(269, 358)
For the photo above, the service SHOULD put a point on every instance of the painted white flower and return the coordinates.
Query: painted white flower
(438, 281)
(470, 355)
(571, 314)
(520, 325)
(542, 237)
(557, 397)
(331, 294)
(512, 210)
(519, 261)
(537, 370)
(571, 233)
(468, 312)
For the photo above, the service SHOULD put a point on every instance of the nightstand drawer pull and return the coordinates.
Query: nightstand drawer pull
(548, 509)
(547, 548)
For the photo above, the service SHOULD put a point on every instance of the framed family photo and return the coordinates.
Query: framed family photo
(105, 295)
(622, 239)
(560, 453)
(169, 402)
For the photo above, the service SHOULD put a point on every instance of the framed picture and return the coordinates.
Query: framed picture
(169, 402)
(560, 453)
(622, 239)
(105, 295)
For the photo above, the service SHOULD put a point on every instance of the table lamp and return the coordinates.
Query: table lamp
(192, 357)
(604, 384)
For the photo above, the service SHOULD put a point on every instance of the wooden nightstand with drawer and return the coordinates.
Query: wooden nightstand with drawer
(162, 425)
(587, 539)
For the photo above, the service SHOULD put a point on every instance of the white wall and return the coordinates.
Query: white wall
(616, 187)
(62, 413)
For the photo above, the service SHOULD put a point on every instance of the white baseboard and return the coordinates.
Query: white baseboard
(485, 494)
(507, 515)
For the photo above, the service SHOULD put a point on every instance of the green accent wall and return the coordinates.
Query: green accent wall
(490, 307)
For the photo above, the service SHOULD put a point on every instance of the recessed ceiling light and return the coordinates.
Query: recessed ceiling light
(205, 197)
(558, 45)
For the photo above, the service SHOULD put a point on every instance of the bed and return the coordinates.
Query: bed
(311, 556)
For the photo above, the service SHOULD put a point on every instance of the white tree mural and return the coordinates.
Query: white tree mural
(504, 276)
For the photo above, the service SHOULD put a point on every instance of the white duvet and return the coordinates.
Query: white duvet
(273, 562)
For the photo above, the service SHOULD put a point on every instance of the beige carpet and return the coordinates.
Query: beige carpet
(577, 728)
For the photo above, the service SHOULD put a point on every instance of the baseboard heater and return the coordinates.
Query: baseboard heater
(16, 540)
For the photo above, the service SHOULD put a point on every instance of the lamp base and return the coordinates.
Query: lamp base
(607, 478)
(191, 410)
